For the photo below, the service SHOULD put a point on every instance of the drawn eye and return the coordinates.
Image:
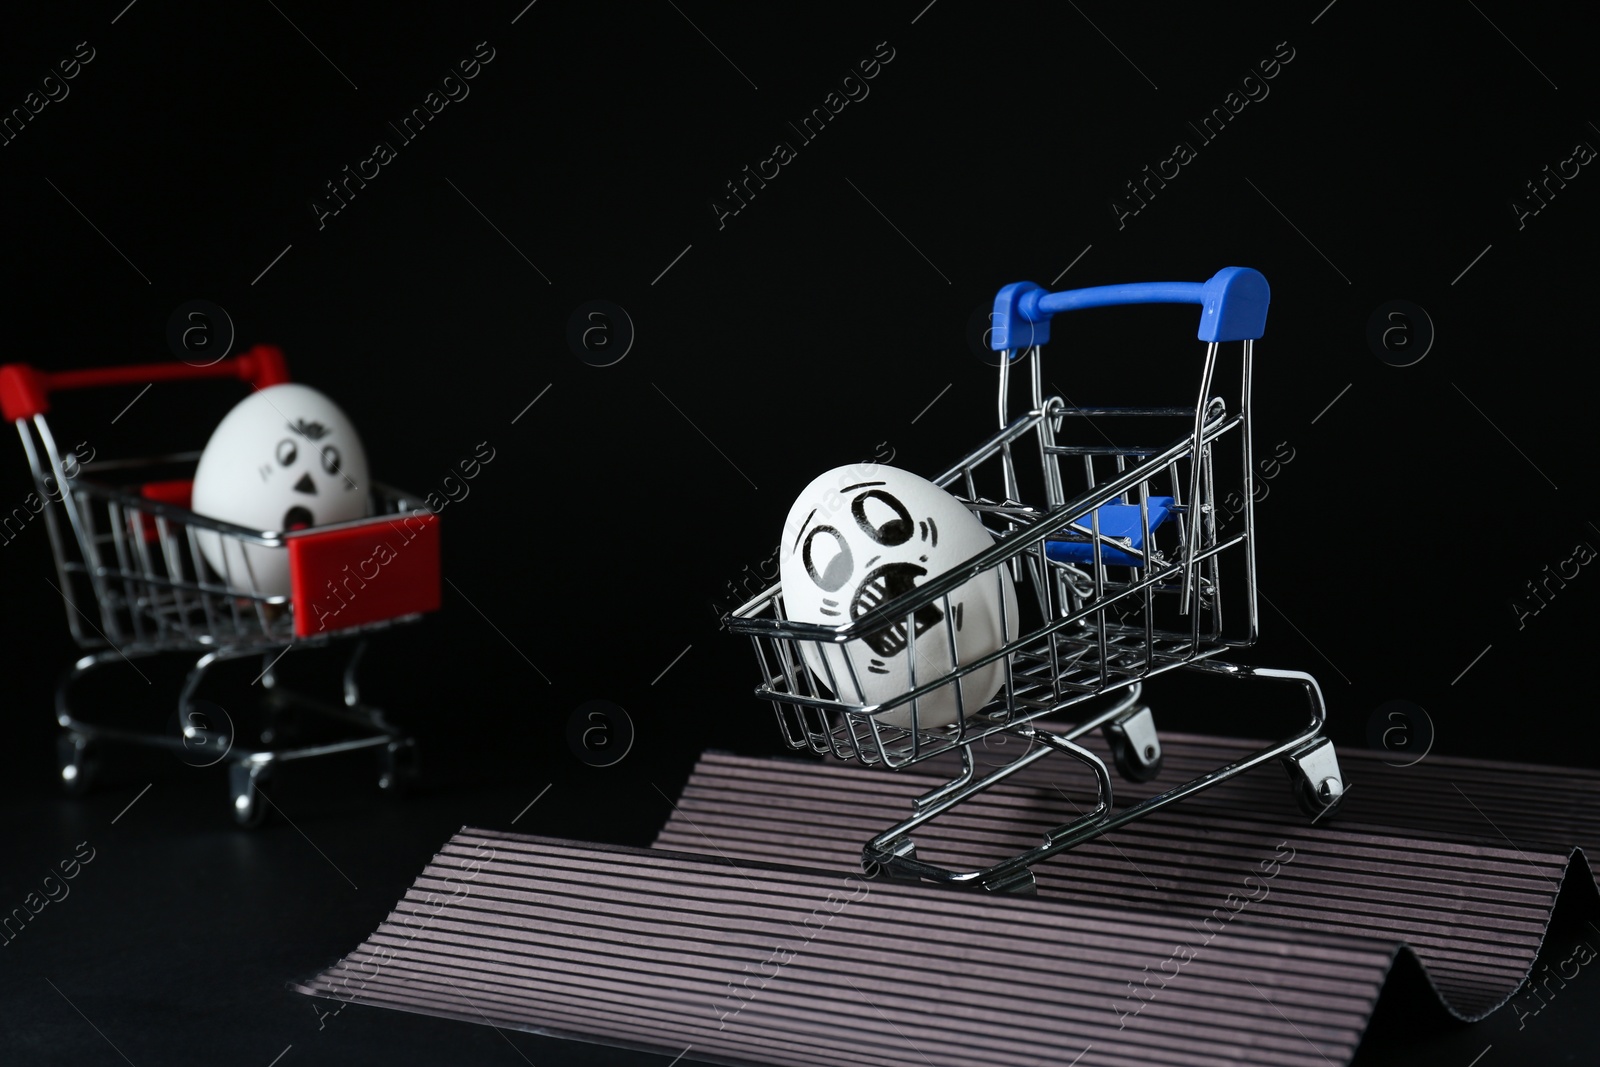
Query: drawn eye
(286, 452)
(827, 559)
(882, 518)
(330, 459)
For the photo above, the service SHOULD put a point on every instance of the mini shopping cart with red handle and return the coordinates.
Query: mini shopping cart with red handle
(135, 584)
(1128, 548)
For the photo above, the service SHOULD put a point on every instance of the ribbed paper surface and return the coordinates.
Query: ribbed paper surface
(1472, 903)
(1222, 930)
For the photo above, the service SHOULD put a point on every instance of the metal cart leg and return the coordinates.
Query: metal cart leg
(76, 750)
(76, 765)
(246, 780)
(400, 767)
(187, 715)
(352, 691)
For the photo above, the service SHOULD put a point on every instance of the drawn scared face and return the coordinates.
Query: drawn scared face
(859, 537)
(892, 560)
(306, 449)
(285, 458)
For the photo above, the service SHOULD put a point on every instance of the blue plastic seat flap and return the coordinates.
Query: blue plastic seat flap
(1117, 521)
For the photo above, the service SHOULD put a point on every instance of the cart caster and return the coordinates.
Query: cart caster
(76, 763)
(400, 770)
(246, 781)
(887, 864)
(1315, 778)
(1135, 745)
(1019, 881)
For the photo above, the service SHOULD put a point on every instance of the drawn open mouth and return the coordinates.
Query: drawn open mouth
(883, 585)
(297, 518)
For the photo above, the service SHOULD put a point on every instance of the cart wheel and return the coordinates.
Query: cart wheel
(246, 782)
(1315, 777)
(400, 767)
(1135, 745)
(1316, 802)
(76, 763)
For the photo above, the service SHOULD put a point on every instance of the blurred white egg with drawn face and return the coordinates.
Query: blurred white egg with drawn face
(862, 535)
(285, 458)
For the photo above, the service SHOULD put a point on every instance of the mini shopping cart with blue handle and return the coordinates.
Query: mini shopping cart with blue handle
(1127, 549)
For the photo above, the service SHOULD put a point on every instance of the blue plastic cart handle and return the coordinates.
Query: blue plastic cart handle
(1233, 306)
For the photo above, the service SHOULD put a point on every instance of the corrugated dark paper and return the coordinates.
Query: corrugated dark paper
(1223, 930)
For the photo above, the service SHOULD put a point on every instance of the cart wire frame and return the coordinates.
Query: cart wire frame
(1108, 613)
(135, 583)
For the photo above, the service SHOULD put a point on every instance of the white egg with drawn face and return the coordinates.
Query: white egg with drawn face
(285, 458)
(858, 537)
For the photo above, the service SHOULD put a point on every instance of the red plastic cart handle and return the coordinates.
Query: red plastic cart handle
(25, 392)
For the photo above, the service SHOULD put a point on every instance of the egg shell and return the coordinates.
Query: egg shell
(861, 535)
(285, 456)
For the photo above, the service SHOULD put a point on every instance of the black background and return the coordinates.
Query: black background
(824, 323)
